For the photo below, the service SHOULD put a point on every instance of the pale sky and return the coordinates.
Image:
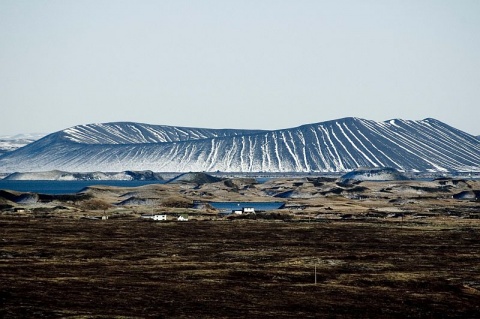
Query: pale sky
(237, 64)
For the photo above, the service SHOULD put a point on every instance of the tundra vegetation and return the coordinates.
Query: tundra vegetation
(394, 249)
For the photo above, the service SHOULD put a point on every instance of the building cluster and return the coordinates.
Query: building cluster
(163, 217)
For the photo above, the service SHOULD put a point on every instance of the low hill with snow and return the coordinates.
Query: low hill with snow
(194, 178)
(57, 175)
(374, 174)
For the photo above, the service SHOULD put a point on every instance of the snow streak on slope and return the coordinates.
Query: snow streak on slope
(130, 133)
(340, 145)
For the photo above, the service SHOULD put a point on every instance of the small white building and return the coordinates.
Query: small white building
(156, 216)
(244, 210)
(182, 218)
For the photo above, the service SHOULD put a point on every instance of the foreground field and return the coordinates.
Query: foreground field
(72, 268)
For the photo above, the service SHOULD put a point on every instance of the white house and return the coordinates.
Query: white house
(156, 216)
(182, 218)
(244, 210)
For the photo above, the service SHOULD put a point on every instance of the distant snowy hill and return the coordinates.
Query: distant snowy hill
(12, 142)
(57, 175)
(333, 146)
(374, 174)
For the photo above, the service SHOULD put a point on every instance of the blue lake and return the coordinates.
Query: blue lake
(64, 187)
(258, 206)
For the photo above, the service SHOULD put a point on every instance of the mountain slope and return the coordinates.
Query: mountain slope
(137, 133)
(339, 145)
(11, 143)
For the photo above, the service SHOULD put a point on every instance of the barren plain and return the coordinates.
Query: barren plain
(396, 249)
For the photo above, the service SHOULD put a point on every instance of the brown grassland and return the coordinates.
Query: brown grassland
(337, 258)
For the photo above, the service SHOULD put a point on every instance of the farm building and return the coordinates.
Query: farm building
(155, 216)
(244, 210)
(182, 218)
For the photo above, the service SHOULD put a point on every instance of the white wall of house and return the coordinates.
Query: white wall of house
(155, 217)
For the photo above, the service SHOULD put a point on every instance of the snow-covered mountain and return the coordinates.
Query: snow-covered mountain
(139, 133)
(332, 146)
(12, 142)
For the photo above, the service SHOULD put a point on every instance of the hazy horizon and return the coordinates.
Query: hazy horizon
(245, 65)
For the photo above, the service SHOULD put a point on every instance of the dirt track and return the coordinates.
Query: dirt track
(239, 269)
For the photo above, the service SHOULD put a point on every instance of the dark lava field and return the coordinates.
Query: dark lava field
(133, 268)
